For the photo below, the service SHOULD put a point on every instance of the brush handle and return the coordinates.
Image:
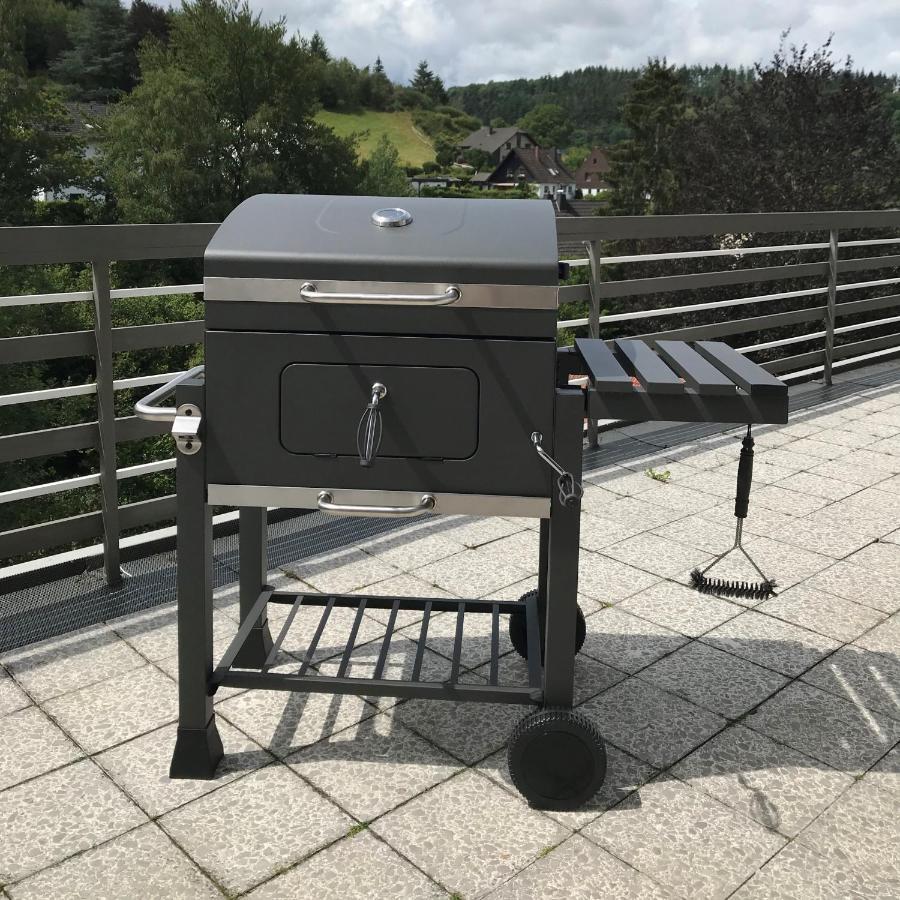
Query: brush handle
(744, 478)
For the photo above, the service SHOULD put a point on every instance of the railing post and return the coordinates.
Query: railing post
(106, 420)
(831, 304)
(593, 324)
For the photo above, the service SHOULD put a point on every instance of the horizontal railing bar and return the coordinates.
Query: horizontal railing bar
(160, 465)
(83, 527)
(49, 487)
(792, 362)
(854, 307)
(572, 293)
(35, 347)
(624, 227)
(164, 334)
(45, 244)
(74, 390)
(715, 304)
(867, 263)
(48, 442)
(782, 342)
(638, 287)
(842, 351)
(862, 326)
(122, 384)
(573, 323)
(156, 291)
(36, 299)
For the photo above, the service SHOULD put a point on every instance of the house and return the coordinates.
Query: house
(497, 142)
(83, 121)
(590, 176)
(432, 181)
(539, 167)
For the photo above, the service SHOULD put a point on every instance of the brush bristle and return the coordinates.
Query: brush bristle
(752, 590)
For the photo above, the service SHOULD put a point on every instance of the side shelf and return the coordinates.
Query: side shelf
(676, 381)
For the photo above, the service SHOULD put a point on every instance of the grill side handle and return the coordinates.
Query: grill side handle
(149, 407)
(311, 294)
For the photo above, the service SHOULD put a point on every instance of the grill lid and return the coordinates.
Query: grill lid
(309, 237)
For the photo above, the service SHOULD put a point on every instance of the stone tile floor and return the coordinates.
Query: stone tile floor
(753, 747)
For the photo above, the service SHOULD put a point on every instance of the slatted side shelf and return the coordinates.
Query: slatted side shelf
(679, 381)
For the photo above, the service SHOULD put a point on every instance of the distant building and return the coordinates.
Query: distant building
(497, 142)
(83, 122)
(432, 181)
(538, 167)
(590, 176)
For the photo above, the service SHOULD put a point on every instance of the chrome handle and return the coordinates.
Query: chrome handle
(326, 504)
(368, 432)
(149, 407)
(311, 294)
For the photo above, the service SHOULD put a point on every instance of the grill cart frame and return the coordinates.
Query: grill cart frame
(230, 436)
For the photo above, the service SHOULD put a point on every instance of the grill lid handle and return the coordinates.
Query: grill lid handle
(311, 294)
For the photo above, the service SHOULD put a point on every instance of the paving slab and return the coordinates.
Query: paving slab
(12, 697)
(350, 870)
(770, 642)
(50, 818)
(845, 735)
(886, 775)
(777, 786)
(866, 679)
(680, 608)
(112, 711)
(810, 607)
(657, 555)
(610, 580)
(342, 571)
(883, 638)
(249, 830)
(713, 679)
(30, 744)
(469, 834)
(627, 642)
(472, 573)
(649, 723)
(800, 873)
(69, 662)
(863, 828)
(580, 870)
(141, 863)
(685, 840)
(141, 767)
(374, 766)
(409, 548)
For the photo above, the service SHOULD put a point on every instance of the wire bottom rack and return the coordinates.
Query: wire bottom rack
(228, 673)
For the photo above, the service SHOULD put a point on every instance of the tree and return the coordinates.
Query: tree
(97, 65)
(37, 149)
(46, 32)
(548, 124)
(317, 47)
(803, 134)
(224, 112)
(385, 176)
(643, 175)
(426, 82)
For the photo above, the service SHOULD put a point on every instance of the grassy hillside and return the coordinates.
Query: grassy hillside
(413, 146)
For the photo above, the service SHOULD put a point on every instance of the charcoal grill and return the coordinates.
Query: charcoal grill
(397, 357)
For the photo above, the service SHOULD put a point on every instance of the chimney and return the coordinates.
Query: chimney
(490, 129)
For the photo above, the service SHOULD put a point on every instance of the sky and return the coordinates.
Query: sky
(482, 40)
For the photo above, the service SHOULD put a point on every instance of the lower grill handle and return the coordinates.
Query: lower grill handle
(327, 505)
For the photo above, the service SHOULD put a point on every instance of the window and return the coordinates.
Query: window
(587, 177)
(527, 145)
(553, 172)
(594, 160)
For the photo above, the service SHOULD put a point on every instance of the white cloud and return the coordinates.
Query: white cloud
(479, 40)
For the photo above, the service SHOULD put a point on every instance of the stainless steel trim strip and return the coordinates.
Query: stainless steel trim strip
(288, 290)
(444, 504)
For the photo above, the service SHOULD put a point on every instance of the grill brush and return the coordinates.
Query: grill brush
(752, 590)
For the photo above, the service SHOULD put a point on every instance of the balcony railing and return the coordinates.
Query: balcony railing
(832, 283)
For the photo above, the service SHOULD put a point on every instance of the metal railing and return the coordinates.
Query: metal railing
(833, 290)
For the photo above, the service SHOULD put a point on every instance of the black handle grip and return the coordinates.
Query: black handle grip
(744, 478)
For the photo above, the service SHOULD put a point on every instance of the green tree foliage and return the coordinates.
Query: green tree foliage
(223, 113)
(46, 31)
(377, 89)
(643, 174)
(548, 124)
(427, 83)
(97, 65)
(384, 175)
(317, 47)
(804, 134)
(575, 156)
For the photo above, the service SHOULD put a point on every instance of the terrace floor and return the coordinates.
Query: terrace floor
(753, 748)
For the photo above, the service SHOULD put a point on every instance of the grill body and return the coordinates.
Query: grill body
(289, 371)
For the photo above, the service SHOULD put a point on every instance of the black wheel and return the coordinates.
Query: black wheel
(518, 629)
(557, 759)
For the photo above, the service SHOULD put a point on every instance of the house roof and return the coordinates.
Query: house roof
(84, 114)
(491, 139)
(597, 165)
(539, 164)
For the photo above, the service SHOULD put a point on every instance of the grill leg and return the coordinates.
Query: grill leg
(562, 556)
(254, 568)
(198, 747)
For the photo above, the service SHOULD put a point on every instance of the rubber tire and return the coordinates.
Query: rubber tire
(557, 759)
(518, 630)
